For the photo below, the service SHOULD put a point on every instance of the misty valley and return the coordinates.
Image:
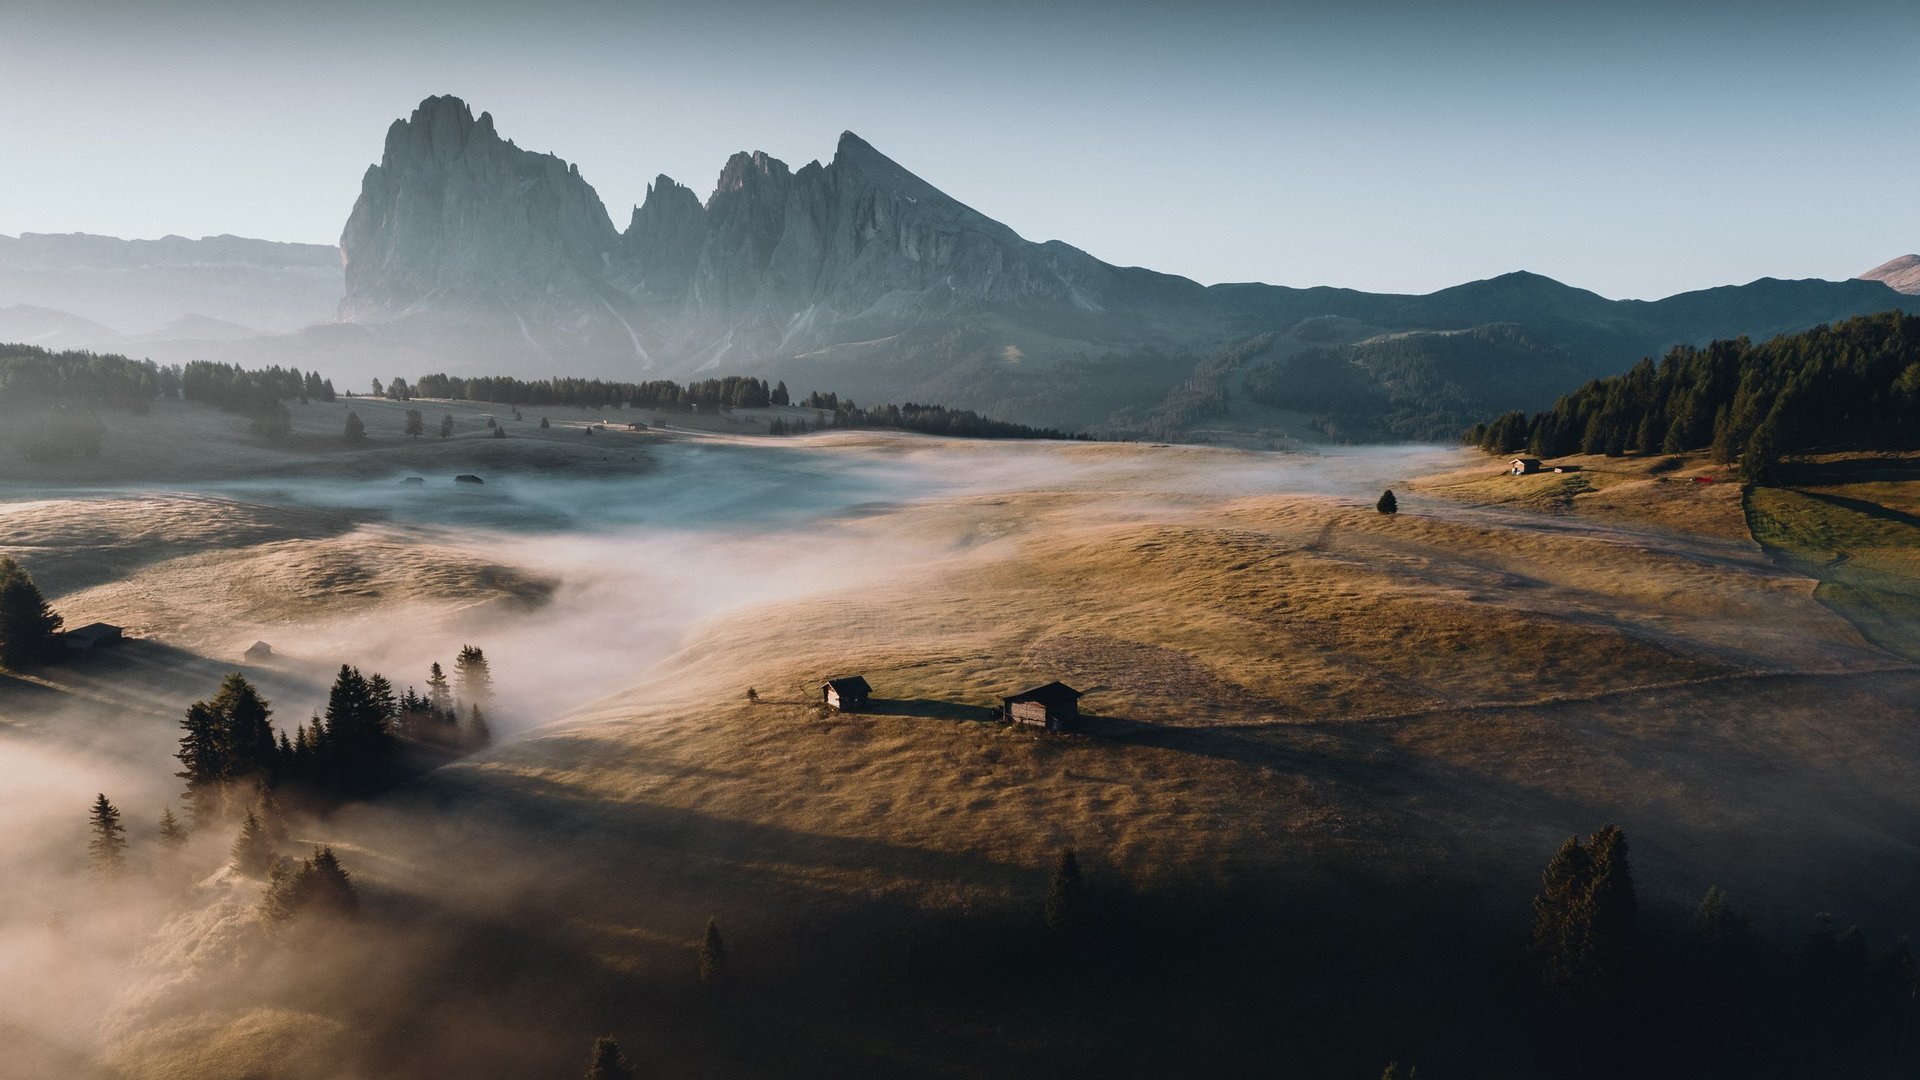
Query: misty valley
(803, 626)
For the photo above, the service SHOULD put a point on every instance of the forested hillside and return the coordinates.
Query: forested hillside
(1852, 385)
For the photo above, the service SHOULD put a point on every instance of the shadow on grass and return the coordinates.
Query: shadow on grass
(931, 708)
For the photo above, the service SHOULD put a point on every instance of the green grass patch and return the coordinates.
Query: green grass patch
(1863, 554)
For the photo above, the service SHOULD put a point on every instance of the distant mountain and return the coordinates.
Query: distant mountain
(856, 274)
(1902, 274)
(49, 328)
(276, 287)
(458, 232)
(191, 327)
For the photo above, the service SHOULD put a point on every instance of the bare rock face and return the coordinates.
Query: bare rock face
(459, 230)
(1901, 274)
(456, 220)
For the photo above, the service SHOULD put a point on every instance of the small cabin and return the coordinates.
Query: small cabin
(849, 693)
(258, 653)
(1521, 466)
(93, 635)
(468, 478)
(1055, 707)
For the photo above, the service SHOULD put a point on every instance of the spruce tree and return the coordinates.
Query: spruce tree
(1065, 908)
(606, 1062)
(108, 848)
(1559, 933)
(446, 426)
(478, 733)
(472, 677)
(1387, 504)
(204, 760)
(252, 850)
(439, 697)
(172, 833)
(713, 954)
(416, 423)
(355, 430)
(244, 728)
(29, 627)
(543, 423)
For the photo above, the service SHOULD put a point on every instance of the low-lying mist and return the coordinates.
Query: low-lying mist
(633, 565)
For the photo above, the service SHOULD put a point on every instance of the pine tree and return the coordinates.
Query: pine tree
(478, 733)
(416, 423)
(472, 677)
(204, 760)
(1065, 908)
(108, 848)
(606, 1062)
(439, 697)
(252, 850)
(172, 833)
(713, 954)
(446, 426)
(1559, 934)
(29, 627)
(1387, 504)
(780, 395)
(752, 694)
(244, 728)
(317, 883)
(543, 424)
(355, 430)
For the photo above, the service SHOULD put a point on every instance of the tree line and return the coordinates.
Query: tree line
(228, 742)
(730, 392)
(1852, 385)
(833, 412)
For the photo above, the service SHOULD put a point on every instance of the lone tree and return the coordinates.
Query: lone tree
(355, 431)
(29, 627)
(1387, 504)
(416, 423)
(606, 1062)
(543, 423)
(172, 833)
(253, 852)
(446, 426)
(713, 954)
(108, 848)
(1065, 908)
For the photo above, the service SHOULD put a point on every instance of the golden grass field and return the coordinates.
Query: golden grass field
(1285, 688)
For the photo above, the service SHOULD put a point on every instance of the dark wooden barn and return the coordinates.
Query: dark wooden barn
(1055, 706)
(258, 653)
(849, 693)
(1521, 466)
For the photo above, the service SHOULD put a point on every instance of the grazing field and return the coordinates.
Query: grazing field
(1326, 750)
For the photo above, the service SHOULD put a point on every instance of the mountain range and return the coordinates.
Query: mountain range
(467, 253)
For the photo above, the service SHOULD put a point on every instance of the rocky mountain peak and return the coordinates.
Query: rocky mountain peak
(1902, 274)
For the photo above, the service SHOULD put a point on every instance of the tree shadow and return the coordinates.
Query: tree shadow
(1868, 509)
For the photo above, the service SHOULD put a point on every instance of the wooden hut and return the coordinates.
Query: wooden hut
(1521, 466)
(848, 693)
(1055, 706)
(258, 653)
(92, 636)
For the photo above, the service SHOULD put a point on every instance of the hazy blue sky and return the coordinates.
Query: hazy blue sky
(1636, 149)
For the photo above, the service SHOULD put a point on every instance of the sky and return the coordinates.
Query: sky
(1633, 148)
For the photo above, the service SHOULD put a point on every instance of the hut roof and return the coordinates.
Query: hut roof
(849, 684)
(94, 631)
(259, 647)
(1052, 694)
